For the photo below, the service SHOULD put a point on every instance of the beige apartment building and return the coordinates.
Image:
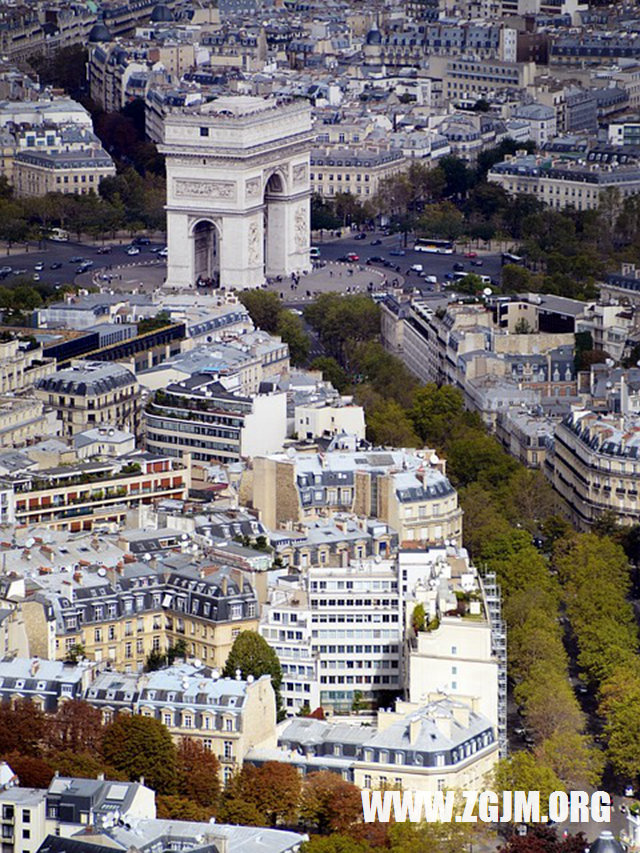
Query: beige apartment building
(562, 184)
(123, 615)
(357, 170)
(595, 466)
(36, 173)
(228, 716)
(22, 365)
(90, 393)
(407, 490)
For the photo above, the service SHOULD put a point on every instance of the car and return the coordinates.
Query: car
(154, 250)
(360, 237)
(458, 267)
(36, 276)
(352, 257)
(376, 243)
(471, 254)
(76, 259)
(104, 250)
(628, 791)
(375, 259)
(19, 272)
(387, 263)
(133, 250)
(416, 268)
(141, 241)
(39, 266)
(520, 731)
(5, 270)
(56, 265)
(397, 253)
(163, 252)
(478, 262)
(582, 688)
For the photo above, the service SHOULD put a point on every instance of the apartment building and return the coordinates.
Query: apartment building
(442, 744)
(227, 716)
(66, 808)
(22, 364)
(121, 615)
(46, 683)
(36, 173)
(324, 419)
(286, 623)
(594, 464)
(470, 77)
(90, 393)
(408, 490)
(333, 542)
(564, 183)
(356, 170)
(200, 417)
(79, 497)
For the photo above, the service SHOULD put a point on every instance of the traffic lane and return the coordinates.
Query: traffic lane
(437, 265)
(50, 253)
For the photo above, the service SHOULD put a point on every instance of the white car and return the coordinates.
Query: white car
(163, 252)
(133, 250)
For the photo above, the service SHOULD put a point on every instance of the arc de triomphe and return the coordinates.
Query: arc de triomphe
(238, 191)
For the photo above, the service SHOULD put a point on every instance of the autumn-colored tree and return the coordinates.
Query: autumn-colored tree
(544, 839)
(198, 773)
(142, 746)
(76, 726)
(181, 808)
(237, 804)
(31, 771)
(276, 790)
(22, 727)
(335, 844)
(330, 803)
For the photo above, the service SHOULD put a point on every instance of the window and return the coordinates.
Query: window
(228, 747)
(204, 131)
(97, 635)
(26, 815)
(167, 719)
(228, 725)
(367, 781)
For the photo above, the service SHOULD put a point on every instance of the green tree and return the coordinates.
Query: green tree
(523, 772)
(142, 746)
(418, 618)
(291, 330)
(389, 425)
(331, 372)
(252, 655)
(264, 307)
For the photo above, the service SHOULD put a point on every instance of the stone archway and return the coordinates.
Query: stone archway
(241, 164)
(206, 252)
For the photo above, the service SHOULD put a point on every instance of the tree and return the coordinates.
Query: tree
(181, 808)
(389, 425)
(523, 772)
(522, 327)
(331, 372)
(142, 746)
(341, 321)
(22, 728)
(291, 330)
(433, 412)
(252, 655)
(418, 618)
(198, 772)
(76, 726)
(573, 759)
(335, 844)
(32, 772)
(264, 308)
(330, 803)
(87, 765)
(276, 789)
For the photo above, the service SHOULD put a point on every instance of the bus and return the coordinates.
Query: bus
(434, 247)
(58, 235)
(508, 258)
(458, 276)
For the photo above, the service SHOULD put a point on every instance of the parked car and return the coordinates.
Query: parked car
(471, 254)
(19, 272)
(360, 237)
(376, 243)
(141, 241)
(397, 253)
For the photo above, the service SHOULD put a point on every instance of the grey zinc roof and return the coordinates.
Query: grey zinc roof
(91, 378)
